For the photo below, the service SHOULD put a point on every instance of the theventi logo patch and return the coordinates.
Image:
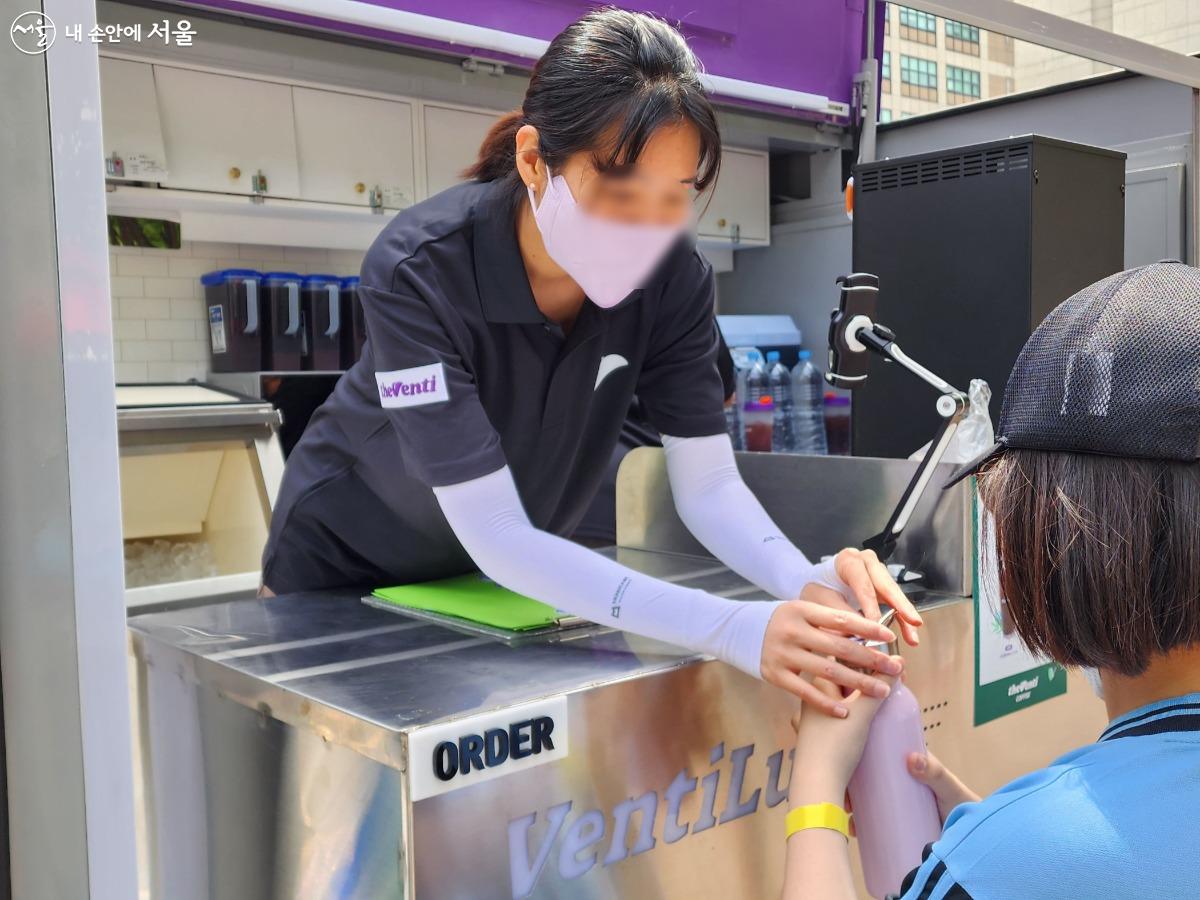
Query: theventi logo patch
(412, 387)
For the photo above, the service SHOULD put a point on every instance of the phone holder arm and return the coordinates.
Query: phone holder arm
(952, 405)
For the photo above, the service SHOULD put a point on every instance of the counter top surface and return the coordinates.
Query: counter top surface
(401, 672)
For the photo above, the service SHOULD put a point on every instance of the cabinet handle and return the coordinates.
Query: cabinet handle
(235, 173)
(359, 188)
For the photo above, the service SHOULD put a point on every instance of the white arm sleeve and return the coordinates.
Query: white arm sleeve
(487, 517)
(717, 507)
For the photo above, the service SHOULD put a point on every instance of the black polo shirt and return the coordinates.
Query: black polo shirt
(461, 374)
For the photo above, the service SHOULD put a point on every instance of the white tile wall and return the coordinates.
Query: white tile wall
(159, 328)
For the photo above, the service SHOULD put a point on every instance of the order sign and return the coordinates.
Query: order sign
(481, 748)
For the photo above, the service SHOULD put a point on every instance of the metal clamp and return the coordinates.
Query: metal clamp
(951, 405)
(889, 647)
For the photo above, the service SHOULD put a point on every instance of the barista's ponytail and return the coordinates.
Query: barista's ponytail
(605, 85)
(497, 153)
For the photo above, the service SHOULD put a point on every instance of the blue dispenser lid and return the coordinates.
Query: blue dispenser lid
(321, 278)
(282, 276)
(350, 281)
(219, 276)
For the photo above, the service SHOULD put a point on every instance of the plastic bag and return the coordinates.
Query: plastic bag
(975, 433)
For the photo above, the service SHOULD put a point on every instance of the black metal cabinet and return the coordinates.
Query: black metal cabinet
(973, 246)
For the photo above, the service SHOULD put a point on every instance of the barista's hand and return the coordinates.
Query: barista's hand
(806, 639)
(867, 580)
(928, 769)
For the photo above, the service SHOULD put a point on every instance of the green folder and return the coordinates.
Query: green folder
(474, 598)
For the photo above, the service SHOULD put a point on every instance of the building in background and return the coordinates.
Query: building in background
(930, 63)
(1170, 24)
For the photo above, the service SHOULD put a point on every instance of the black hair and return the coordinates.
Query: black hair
(605, 84)
(1099, 556)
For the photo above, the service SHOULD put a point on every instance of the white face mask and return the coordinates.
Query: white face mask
(1093, 678)
(608, 259)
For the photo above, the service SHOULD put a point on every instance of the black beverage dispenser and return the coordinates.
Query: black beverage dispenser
(355, 332)
(283, 337)
(323, 306)
(233, 299)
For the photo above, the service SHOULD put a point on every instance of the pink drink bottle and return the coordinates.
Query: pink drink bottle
(895, 815)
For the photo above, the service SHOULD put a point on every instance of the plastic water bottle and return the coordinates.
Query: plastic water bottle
(758, 383)
(733, 424)
(783, 439)
(758, 422)
(808, 407)
(743, 361)
(895, 815)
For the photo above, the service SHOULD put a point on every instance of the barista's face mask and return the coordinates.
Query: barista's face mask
(607, 258)
(1093, 678)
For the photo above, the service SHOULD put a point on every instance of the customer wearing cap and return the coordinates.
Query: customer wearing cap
(1093, 489)
(510, 321)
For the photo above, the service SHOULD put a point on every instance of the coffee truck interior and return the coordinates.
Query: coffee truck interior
(168, 736)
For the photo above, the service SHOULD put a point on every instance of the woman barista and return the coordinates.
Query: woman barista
(510, 320)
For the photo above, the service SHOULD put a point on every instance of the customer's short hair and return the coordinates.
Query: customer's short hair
(1099, 556)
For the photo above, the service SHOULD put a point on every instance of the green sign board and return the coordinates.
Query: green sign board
(1008, 677)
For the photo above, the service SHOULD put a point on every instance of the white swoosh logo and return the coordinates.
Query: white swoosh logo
(608, 365)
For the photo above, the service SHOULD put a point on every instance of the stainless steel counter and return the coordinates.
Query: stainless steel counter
(331, 656)
(309, 746)
(250, 710)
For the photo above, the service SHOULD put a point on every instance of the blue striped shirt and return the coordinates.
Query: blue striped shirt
(1114, 819)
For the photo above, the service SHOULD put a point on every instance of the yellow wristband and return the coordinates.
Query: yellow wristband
(818, 815)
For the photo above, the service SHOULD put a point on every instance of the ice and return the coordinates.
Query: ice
(159, 561)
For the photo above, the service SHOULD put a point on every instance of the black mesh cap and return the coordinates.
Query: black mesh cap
(1114, 370)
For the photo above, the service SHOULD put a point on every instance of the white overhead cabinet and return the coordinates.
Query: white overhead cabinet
(452, 139)
(349, 145)
(321, 153)
(738, 212)
(133, 141)
(223, 132)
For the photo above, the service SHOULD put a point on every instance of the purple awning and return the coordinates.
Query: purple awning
(809, 46)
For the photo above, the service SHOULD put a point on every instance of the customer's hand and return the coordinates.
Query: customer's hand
(811, 639)
(862, 577)
(928, 769)
(828, 750)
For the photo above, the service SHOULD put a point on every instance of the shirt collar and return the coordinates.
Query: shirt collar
(1173, 714)
(499, 271)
